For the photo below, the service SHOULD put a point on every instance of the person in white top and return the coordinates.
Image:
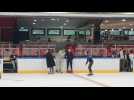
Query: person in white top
(121, 53)
(59, 61)
(131, 56)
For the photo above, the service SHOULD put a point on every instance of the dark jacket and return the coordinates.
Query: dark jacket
(50, 60)
(128, 60)
(89, 59)
(13, 57)
(69, 56)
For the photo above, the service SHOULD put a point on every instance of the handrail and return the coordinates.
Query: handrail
(100, 50)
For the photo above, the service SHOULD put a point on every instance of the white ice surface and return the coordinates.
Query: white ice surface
(67, 80)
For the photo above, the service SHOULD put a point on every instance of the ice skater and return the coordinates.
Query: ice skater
(131, 56)
(69, 58)
(59, 61)
(13, 59)
(50, 62)
(90, 63)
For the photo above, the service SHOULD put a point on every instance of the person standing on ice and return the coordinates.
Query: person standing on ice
(69, 58)
(131, 56)
(90, 63)
(59, 61)
(121, 54)
(13, 59)
(50, 62)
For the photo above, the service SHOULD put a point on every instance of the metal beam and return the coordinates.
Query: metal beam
(71, 14)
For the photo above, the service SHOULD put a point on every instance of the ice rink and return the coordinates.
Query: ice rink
(67, 80)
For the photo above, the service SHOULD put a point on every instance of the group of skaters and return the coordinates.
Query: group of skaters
(55, 61)
(126, 60)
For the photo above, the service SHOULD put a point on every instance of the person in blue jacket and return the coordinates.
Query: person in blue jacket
(90, 63)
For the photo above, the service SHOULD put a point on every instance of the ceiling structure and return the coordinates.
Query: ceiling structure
(108, 20)
(72, 14)
(117, 23)
(56, 22)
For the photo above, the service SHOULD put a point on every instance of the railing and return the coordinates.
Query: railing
(80, 50)
(6, 52)
(35, 52)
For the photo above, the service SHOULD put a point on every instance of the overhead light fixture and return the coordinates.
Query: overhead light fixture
(105, 29)
(106, 21)
(128, 13)
(34, 23)
(35, 20)
(53, 19)
(123, 20)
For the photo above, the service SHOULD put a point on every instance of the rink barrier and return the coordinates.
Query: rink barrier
(80, 71)
(38, 65)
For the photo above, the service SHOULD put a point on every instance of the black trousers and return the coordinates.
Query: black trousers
(90, 67)
(123, 65)
(69, 63)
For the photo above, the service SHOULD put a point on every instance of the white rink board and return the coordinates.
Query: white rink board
(1, 65)
(99, 64)
(78, 64)
(31, 64)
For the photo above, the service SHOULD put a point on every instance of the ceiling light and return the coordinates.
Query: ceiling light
(34, 23)
(123, 20)
(58, 19)
(106, 21)
(35, 20)
(53, 19)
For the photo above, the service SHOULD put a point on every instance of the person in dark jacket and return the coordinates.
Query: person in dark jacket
(13, 59)
(50, 62)
(69, 58)
(90, 63)
(128, 62)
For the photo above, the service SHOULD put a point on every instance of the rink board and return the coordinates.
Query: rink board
(1, 66)
(37, 65)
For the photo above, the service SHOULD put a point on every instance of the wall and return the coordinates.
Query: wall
(39, 65)
(1, 65)
(7, 28)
